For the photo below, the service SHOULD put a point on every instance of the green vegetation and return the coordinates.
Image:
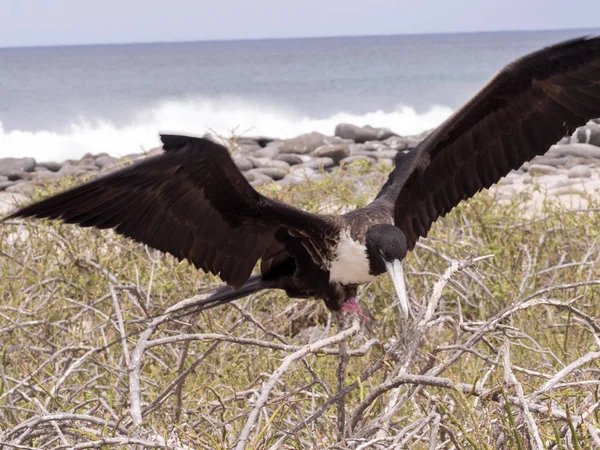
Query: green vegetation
(57, 314)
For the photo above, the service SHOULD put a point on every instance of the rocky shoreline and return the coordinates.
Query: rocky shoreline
(293, 161)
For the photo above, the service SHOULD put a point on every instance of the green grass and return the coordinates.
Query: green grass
(56, 306)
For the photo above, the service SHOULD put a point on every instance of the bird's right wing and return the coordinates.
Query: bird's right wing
(191, 202)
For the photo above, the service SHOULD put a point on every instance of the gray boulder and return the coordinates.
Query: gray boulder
(579, 172)
(21, 188)
(267, 152)
(382, 154)
(5, 184)
(44, 175)
(336, 152)
(305, 143)
(9, 201)
(16, 176)
(362, 134)
(354, 158)
(106, 162)
(243, 163)
(397, 143)
(272, 172)
(540, 169)
(14, 165)
(589, 134)
(587, 151)
(68, 170)
(292, 159)
(373, 146)
(246, 149)
(267, 162)
(50, 165)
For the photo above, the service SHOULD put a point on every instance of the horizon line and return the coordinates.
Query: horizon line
(290, 38)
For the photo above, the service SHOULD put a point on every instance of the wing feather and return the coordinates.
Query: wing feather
(191, 202)
(520, 113)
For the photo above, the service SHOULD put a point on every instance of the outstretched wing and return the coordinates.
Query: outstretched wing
(191, 202)
(519, 114)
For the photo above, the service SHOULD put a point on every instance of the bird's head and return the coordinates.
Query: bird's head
(386, 248)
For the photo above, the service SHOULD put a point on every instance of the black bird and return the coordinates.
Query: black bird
(193, 202)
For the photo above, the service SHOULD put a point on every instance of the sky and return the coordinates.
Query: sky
(69, 22)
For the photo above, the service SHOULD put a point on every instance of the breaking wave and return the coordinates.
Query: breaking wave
(198, 117)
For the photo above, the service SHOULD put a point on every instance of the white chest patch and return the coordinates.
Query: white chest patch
(350, 265)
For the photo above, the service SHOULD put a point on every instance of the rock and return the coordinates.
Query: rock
(299, 175)
(305, 143)
(270, 151)
(362, 134)
(374, 146)
(357, 148)
(88, 167)
(292, 159)
(589, 134)
(106, 161)
(43, 176)
(247, 149)
(87, 161)
(5, 184)
(21, 188)
(50, 165)
(539, 169)
(564, 141)
(579, 172)
(291, 180)
(267, 152)
(16, 176)
(9, 201)
(267, 162)
(316, 163)
(355, 158)
(261, 179)
(261, 141)
(550, 161)
(505, 182)
(69, 170)
(561, 184)
(336, 152)
(14, 165)
(397, 143)
(3, 178)
(325, 162)
(303, 172)
(387, 154)
(568, 190)
(243, 163)
(272, 172)
(583, 150)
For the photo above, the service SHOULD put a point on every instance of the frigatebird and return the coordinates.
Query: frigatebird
(193, 202)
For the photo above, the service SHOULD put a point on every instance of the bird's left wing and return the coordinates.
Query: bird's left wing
(191, 202)
(524, 109)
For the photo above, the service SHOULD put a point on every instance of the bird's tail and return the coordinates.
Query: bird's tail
(225, 294)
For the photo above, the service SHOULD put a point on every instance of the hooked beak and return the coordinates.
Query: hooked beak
(397, 275)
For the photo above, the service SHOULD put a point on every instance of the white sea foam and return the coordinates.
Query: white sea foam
(197, 117)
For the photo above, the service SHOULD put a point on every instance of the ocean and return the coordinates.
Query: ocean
(62, 102)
